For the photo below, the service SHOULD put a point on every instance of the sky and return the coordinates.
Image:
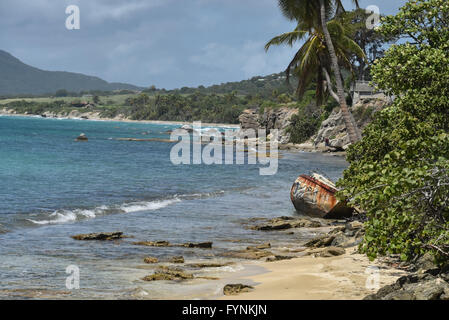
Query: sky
(166, 43)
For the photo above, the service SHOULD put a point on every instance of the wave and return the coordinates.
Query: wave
(66, 216)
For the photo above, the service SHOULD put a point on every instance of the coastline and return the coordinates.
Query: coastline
(278, 248)
(95, 117)
(90, 116)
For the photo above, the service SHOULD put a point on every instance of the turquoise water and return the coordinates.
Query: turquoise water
(53, 187)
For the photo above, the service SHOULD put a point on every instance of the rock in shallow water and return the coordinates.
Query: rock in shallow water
(284, 223)
(178, 259)
(151, 260)
(153, 243)
(169, 275)
(99, 236)
(82, 137)
(204, 245)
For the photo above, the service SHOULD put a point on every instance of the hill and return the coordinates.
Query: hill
(263, 86)
(17, 77)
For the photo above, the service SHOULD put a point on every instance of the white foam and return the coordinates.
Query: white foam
(65, 216)
(147, 206)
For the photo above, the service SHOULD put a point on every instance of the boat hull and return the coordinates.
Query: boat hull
(314, 197)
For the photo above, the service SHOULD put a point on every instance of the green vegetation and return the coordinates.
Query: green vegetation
(176, 107)
(399, 171)
(311, 63)
(202, 104)
(313, 18)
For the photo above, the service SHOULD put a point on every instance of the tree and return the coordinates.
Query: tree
(311, 63)
(368, 39)
(399, 171)
(312, 14)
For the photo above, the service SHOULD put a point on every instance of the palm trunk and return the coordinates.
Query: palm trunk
(351, 127)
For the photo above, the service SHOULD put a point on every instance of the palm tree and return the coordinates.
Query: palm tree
(311, 61)
(313, 13)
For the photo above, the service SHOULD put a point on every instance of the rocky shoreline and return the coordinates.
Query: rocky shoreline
(332, 240)
(332, 129)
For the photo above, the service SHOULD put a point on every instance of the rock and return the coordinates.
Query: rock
(340, 240)
(430, 285)
(334, 128)
(169, 269)
(188, 128)
(260, 246)
(153, 243)
(99, 236)
(332, 252)
(151, 260)
(248, 254)
(178, 259)
(320, 242)
(82, 137)
(235, 289)
(430, 290)
(209, 265)
(426, 262)
(274, 226)
(354, 225)
(249, 119)
(203, 245)
(279, 118)
(279, 258)
(170, 275)
(284, 223)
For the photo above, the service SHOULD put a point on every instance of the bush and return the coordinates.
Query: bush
(399, 171)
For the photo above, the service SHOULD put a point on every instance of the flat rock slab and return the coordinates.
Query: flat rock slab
(153, 243)
(102, 236)
(284, 223)
(204, 245)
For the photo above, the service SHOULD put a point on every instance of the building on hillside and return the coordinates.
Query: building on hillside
(363, 90)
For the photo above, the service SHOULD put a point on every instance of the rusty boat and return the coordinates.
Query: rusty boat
(315, 195)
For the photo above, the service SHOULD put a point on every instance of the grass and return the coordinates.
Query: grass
(107, 100)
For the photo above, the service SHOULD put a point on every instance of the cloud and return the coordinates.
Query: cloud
(100, 10)
(169, 43)
(249, 58)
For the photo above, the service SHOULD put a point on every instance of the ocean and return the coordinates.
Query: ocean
(52, 187)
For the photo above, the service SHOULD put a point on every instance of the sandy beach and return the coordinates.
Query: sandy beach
(94, 116)
(346, 277)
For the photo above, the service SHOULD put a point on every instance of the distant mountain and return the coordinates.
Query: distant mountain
(17, 77)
